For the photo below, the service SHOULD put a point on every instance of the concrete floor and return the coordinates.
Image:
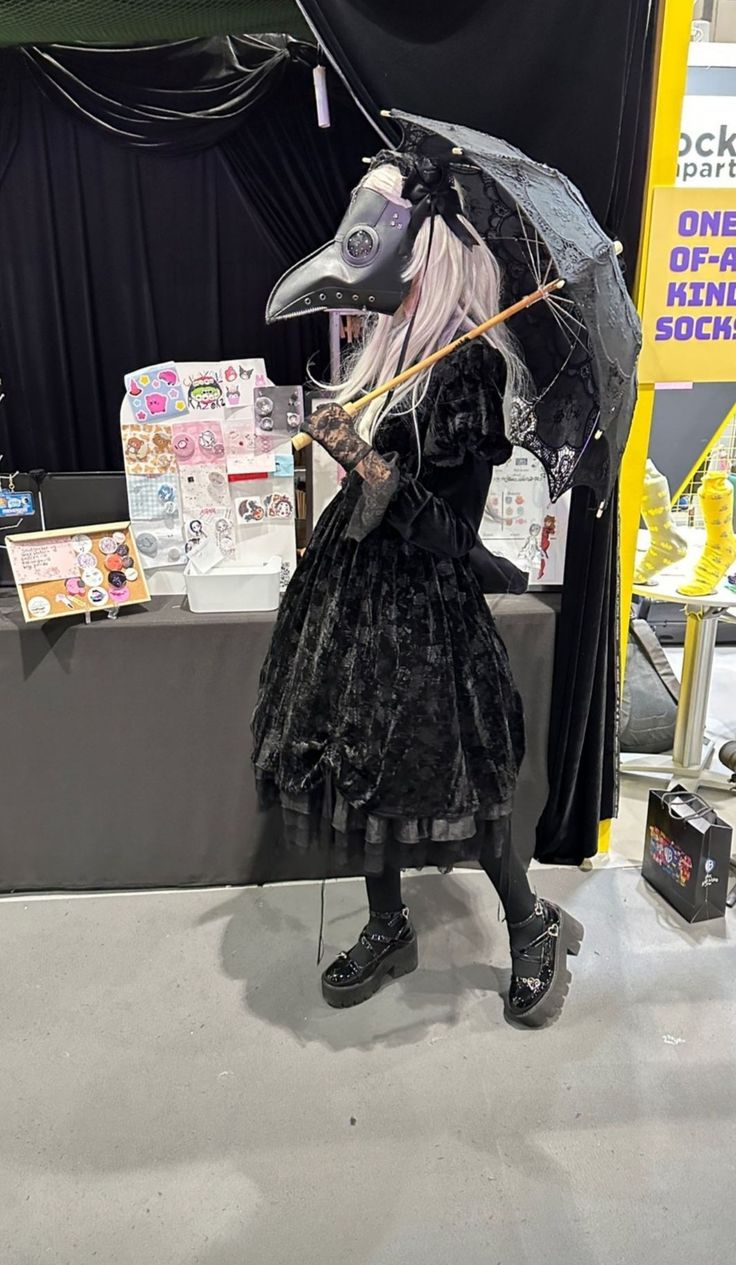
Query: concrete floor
(173, 1090)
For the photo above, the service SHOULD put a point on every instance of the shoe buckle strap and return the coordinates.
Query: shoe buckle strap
(550, 933)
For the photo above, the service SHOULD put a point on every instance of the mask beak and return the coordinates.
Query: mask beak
(360, 270)
(299, 292)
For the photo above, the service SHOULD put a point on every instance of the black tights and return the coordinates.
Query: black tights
(507, 873)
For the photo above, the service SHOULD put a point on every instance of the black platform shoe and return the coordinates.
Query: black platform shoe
(387, 945)
(539, 975)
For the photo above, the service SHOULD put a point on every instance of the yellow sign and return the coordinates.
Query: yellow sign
(689, 317)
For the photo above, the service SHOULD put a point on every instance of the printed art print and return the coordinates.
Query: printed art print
(203, 387)
(239, 379)
(147, 448)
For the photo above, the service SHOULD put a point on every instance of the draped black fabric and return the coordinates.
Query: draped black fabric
(117, 254)
(9, 110)
(583, 746)
(584, 723)
(187, 94)
(299, 180)
(560, 79)
(570, 85)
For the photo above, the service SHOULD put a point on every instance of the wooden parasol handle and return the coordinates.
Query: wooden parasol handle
(301, 439)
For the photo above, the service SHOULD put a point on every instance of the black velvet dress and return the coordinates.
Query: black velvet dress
(387, 718)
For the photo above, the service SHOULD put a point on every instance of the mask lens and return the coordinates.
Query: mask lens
(360, 244)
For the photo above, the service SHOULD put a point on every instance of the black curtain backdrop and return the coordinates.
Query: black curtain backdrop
(560, 79)
(148, 202)
(149, 197)
(570, 84)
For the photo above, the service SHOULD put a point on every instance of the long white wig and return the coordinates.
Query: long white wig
(459, 288)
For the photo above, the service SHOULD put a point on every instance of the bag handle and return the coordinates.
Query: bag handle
(703, 809)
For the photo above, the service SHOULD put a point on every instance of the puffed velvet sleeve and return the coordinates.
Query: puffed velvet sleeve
(441, 510)
(466, 414)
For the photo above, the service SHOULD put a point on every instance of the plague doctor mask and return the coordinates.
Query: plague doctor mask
(362, 268)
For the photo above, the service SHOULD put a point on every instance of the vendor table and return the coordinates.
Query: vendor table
(125, 746)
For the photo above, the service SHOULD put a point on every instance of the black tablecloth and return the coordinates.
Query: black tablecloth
(125, 746)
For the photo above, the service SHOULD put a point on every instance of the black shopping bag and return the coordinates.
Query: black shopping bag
(686, 854)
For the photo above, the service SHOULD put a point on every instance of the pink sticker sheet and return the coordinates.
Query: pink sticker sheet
(240, 439)
(196, 442)
(155, 393)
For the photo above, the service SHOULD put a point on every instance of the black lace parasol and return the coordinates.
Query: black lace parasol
(580, 344)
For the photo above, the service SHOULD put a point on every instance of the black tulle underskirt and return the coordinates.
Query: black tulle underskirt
(356, 839)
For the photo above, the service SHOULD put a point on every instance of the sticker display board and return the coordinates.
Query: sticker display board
(522, 524)
(76, 570)
(209, 464)
(689, 316)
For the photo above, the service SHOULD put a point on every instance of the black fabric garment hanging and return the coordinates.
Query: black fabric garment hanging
(116, 255)
(570, 85)
(583, 747)
(401, 635)
(584, 729)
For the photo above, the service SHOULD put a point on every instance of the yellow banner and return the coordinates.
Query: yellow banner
(689, 317)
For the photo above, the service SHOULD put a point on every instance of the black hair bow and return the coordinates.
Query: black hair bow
(430, 189)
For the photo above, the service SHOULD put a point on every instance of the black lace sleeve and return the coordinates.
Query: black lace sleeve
(466, 410)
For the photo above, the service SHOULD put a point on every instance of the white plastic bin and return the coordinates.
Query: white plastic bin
(236, 587)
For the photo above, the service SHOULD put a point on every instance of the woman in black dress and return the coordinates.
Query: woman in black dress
(387, 716)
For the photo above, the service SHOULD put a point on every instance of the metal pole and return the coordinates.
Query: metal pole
(697, 669)
(335, 346)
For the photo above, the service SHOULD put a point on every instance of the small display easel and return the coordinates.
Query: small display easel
(75, 571)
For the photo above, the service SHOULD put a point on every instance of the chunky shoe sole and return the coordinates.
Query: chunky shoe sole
(400, 961)
(549, 1006)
